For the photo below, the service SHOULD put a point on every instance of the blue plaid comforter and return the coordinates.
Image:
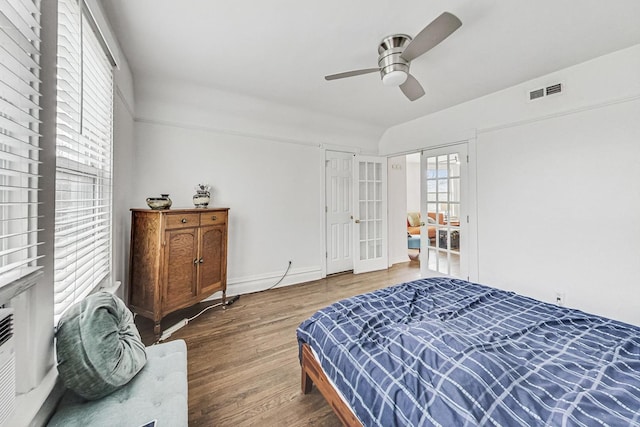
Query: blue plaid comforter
(447, 352)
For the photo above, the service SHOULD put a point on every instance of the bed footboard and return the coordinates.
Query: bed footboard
(313, 373)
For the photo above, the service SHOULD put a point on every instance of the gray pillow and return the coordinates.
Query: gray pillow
(98, 346)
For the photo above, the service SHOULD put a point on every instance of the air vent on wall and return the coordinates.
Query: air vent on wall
(556, 88)
(535, 94)
(545, 91)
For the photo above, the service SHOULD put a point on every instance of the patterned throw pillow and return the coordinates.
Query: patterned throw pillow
(98, 346)
(414, 219)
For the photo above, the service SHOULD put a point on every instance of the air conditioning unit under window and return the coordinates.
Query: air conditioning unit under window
(7, 366)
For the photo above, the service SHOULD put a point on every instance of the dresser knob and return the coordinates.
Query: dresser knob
(214, 217)
(184, 220)
(201, 260)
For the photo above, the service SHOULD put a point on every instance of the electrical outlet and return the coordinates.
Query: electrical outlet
(560, 299)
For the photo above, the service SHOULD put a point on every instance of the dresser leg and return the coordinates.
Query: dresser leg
(156, 329)
(224, 299)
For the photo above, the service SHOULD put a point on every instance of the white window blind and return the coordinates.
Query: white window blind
(19, 137)
(83, 155)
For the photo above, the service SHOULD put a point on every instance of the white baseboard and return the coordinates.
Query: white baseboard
(399, 259)
(250, 284)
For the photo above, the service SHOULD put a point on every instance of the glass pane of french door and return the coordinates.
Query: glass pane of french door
(443, 176)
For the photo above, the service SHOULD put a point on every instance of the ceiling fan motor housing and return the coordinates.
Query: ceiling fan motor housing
(390, 61)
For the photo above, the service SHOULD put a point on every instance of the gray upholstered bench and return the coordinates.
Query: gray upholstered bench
(158, 392)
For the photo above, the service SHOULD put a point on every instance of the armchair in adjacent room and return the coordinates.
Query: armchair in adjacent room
(413, 223)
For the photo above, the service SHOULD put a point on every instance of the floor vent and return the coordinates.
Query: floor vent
(7, 366)
(545, 91)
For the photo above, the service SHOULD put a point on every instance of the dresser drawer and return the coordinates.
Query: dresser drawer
(213, 218)
(182, 220)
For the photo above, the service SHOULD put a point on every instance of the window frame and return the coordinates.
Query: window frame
(84, 155)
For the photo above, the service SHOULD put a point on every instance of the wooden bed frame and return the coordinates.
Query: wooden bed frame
(312, 373)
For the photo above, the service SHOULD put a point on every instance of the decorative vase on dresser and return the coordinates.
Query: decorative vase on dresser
(203, 196)
(201, 199)
(178, 258)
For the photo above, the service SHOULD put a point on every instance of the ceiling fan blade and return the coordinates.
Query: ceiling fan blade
(351, 73)
(412, 88)
(439, 29)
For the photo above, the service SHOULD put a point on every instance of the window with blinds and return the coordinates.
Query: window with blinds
(83, 155)
(19, 137)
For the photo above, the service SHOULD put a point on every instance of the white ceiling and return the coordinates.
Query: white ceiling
(280, 50)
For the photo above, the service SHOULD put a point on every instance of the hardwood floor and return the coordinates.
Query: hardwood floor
(243, 361)
(443, 264)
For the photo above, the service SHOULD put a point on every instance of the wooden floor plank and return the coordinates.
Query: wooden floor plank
(243, 361)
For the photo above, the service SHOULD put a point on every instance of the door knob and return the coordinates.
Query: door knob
(422, 223)
(357, 221)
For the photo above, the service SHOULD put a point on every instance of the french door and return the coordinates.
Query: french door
(356, 212)
(443, 213)
(370, 214)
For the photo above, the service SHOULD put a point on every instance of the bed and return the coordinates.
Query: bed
(447, 352)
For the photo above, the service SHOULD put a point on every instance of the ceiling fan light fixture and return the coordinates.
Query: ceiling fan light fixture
(395, 53)
(394, 78)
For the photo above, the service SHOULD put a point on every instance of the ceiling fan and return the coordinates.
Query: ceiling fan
(398, 50)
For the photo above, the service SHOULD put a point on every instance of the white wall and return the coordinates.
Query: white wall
(557, 183)
(397, 196)
(272, 190)
(413, 183)
(608, 78)
(264, 161)
(218, 111)
(558, 209)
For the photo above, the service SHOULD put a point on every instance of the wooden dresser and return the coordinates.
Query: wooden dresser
(178, 258)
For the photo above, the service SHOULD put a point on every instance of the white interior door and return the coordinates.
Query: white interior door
(339, 208)
(444, 211)
(370, 214)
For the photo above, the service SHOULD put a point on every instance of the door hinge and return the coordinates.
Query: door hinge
(467, 219)
(326, 209)
(326, 254)
(467, 158)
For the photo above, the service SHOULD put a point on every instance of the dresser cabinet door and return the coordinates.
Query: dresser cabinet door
(180, 268)
(213, 241)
